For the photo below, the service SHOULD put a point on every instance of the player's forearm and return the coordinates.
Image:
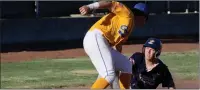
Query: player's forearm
(100, 5)
(118, 48)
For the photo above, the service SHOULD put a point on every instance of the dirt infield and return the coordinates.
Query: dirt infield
(72, 53)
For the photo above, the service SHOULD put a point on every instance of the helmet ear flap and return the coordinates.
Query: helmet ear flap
(157, 54)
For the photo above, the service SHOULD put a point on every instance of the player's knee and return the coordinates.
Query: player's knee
(110, 76)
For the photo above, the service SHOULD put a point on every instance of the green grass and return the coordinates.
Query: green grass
(45, 73)
(58, 73)
(184, 65)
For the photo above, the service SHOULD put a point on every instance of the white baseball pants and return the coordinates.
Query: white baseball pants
(105, 59)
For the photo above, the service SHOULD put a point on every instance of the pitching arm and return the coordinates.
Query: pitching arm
(96, 5)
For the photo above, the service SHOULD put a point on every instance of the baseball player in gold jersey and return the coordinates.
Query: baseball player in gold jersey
(112, 30)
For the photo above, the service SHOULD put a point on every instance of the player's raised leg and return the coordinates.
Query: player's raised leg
(99, 51)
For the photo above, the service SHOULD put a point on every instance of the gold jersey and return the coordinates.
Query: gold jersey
(117, 25)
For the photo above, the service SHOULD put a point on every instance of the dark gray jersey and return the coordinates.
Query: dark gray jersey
(149, 80)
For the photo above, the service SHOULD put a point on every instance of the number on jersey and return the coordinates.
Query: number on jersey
(123, 31)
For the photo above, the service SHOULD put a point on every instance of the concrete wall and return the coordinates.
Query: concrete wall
(54, 29)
